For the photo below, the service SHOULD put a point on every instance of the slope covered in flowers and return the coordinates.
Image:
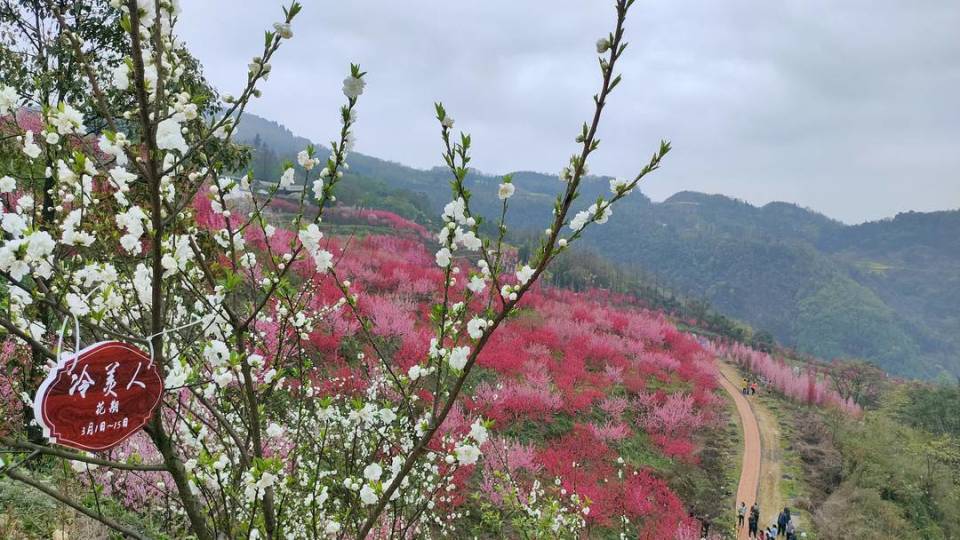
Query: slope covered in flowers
(574, 383)
(588, 392)
(804, 386)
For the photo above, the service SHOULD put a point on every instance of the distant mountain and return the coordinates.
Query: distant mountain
(887, 291)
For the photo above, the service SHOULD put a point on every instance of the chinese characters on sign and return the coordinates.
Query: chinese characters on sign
(94, 400)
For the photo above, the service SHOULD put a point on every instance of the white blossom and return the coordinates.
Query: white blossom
(76, 305)
(142, 282)
(467, 454)
(274, 430)
(458, 357)
(601, 215)
(367, 495)
(169, 136)
(579, 221)
(455, 211)
(176, 376)
(603, 45)
(415, 372)
(31, 149)
(305, 161)
(120, 77)
(267, 480)
(372, 472)
(310, 238)
(387, 416)
(15, 224)
(618, 186)
(283, 30)
(39, 245)
(478, 432)
(287, 178)
(223, 377)
(114, 148)
(443, 257)
(506, 191)
(476, 326)
(216, 353)
(353, 87)
(71, 236)
(66, 119)
(133, 222)
(524, 274)
(8, 99)
(468, 240)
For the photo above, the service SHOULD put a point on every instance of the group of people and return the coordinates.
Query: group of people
(749, 388)
(783, 526)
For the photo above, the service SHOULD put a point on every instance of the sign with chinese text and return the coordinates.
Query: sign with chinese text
(97, 398)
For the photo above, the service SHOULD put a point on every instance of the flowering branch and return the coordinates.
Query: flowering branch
(459, 213)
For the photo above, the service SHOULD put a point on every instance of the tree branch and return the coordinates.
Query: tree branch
(75, 456)
(52, 493)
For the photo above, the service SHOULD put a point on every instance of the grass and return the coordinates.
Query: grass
(27, 514)
(734, 433)
(639, 452)
(792, 486)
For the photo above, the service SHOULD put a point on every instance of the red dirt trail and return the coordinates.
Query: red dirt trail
(750, 472)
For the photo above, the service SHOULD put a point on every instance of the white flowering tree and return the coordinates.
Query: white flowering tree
(252, 438)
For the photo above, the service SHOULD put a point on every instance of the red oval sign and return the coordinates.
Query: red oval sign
(94, 400)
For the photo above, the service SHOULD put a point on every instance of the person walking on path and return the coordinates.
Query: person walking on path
(782, 521)
(754, 522)
(791, 530)
(741, 514)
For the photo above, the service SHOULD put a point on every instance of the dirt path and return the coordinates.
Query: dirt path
(750, 471)
(771, 464)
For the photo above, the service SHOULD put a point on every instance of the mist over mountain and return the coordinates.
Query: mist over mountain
(886, 291)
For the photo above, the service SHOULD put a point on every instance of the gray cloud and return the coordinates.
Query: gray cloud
(847, 107)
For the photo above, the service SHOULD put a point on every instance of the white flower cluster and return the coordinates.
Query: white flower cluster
(353, 87)
(506, 191)
(567, 173)
(306, 160)
(620, 187)
(310, 238)
(453, 234)
(596, 214)
(249, 417)
(287, 178)
(9, 100)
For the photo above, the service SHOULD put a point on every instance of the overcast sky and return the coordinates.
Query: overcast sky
(851, 108)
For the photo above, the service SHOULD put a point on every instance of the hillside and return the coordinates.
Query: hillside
(885, 291)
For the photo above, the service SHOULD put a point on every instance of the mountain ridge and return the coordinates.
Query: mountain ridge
(883, 290)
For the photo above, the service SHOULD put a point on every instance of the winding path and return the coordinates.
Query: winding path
(750, 471)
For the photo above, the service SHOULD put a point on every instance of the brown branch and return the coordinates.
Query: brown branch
(37, 346)
(66, 454)
(54, 494)
(588, 146)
